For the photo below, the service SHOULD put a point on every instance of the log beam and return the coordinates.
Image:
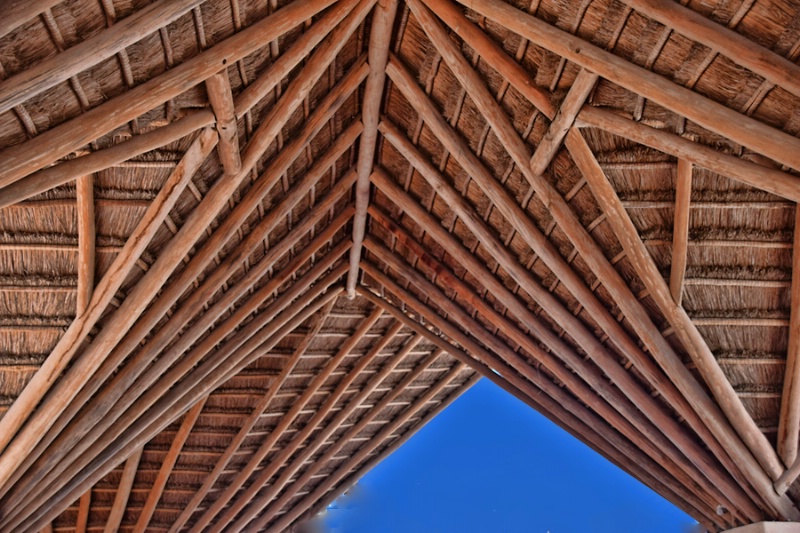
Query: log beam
(220, 97)
(123, 492)
(680, 231)
(379, 40)
(729, 402)
(167, 465)
(789, 422)
(86, 242)
(759, 137)
(85, 504)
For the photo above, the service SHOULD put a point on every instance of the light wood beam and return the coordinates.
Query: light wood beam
(86, 242)
(272, 508)
(48, 528)
(704, 360)
(591, 253)
(758, 176)
(551, 142)
(123, 492)
(255, 340)
(220, 97)
(20, 160)
(83, 512)
(489, 362)
(167, 465)
(738, 48)
(18, 12)
(195, 225)
(232, 489)
(86, 54)
(379, 40)
(68, 345)
(61, 173)
(789, 422)
(680, 231)
(707, 113)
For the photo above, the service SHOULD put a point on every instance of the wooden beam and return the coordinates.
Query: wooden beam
(83, 512)
(68, 345)
(167, 465)
(738, 48)
(123, 492)
(18, 12)
(241, 499)
(789, 422)
(758, 176)
(551, 142)
(20, 160)
(540, 389)
(220, 97)
(247, 426)
(48, 528)
(61, 173)
(86, 242)
(379, 40)
(86, 54)
(707, 113)
(680, 231)
(591, 253)
(771, 467)
(255, 339)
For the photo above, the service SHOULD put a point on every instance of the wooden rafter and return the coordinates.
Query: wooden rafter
(83, 512)
(105, 291)
(789, 422)
(680, 232)
(86, 242)
(123, 492)
(167, 465)
(220, 97)
(695, 344)
(380, 37)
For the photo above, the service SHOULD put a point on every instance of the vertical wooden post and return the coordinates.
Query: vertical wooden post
(789, 423)
(680, 232)
(86, 242)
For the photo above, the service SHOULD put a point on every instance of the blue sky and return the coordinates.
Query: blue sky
(489, 463)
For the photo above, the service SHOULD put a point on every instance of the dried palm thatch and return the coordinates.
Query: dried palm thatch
(248, 248)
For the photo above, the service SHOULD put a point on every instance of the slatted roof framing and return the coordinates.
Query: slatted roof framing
(249, 248)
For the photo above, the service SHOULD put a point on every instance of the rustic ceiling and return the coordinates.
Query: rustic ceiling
(249, 247)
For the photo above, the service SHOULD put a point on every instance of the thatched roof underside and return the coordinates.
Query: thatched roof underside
(248, 248)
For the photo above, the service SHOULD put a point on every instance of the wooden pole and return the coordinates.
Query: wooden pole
(767, 179)
(123, 492)
(166, 467)
(704, 360)
(379, 40)
(86, 242)
(68, 345)
(18, 12)
(220, 97)
(83, 512)
(707, 113)
(551, 142)
(680, 232)
(789, 422)
(747, 53)
(86, 54)
(20, 160)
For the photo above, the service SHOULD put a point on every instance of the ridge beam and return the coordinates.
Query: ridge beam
(383, 16)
